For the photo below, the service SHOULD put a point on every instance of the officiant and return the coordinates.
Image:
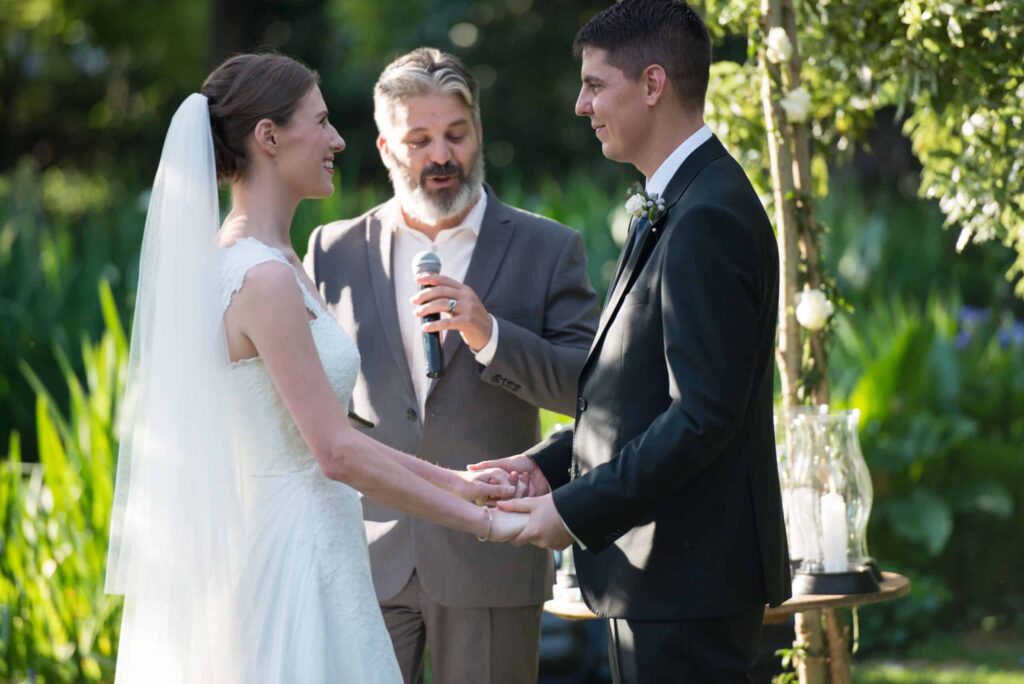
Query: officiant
(518, 316)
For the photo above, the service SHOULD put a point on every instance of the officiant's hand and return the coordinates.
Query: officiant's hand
(545, 527)
(537, 484)
(469, 316)
(488, 485)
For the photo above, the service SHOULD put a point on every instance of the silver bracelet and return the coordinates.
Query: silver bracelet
(490, 523)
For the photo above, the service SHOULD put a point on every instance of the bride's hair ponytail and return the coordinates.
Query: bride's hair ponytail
(242, 91)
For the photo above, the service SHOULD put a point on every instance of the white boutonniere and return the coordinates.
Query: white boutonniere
(639, 203)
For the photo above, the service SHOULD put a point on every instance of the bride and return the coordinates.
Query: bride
(237, 536)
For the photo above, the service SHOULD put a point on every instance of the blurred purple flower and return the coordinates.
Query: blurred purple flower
(1011, 335)
(971, 316)
(963, 340)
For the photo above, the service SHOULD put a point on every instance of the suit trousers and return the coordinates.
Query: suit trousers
(697, 651)
(479, 645)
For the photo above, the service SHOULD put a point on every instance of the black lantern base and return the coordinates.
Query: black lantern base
(876, 572)
(856, 581)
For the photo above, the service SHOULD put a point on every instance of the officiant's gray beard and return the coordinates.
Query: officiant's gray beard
(435, 206)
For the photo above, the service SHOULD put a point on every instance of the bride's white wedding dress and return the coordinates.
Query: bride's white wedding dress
(240, 563)
(306, 603)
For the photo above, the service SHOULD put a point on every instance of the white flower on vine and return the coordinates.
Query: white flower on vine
(860, 103)
(797, 105)
(813, 309)
(779, 49)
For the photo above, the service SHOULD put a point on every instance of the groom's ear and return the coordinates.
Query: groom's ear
(382, 147)
(655, 82)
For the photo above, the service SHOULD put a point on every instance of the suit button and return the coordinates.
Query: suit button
(581, 404)
(410, 414)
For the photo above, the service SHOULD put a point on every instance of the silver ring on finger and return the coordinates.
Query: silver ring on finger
(451, 306)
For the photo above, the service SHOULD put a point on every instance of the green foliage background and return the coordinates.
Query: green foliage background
(930, 345)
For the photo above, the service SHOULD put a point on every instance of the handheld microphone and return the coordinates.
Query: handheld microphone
(428, 262)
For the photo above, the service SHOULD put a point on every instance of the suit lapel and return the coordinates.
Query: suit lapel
(625, 279)
(379, 252)
(701, 157)
(491, 245)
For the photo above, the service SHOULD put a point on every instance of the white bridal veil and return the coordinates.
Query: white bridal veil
(177, 522)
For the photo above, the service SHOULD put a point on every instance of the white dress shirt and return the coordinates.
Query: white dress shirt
(657, 184)
(454, 246)
(660, 180)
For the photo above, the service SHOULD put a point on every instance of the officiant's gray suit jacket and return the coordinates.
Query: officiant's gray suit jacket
(530, 273)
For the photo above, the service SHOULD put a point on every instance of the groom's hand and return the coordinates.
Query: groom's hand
(536, 483)
(544, 528)
(470, 317)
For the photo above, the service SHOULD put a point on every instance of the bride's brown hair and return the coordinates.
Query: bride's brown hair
(242, 91)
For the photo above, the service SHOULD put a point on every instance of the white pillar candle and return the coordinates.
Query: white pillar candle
(833, 532)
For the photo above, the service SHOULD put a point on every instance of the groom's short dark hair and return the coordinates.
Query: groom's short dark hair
(639, 33)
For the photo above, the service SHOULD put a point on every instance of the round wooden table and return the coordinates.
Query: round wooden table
(893, 587)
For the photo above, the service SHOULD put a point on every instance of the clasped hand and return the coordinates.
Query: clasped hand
(527, 516)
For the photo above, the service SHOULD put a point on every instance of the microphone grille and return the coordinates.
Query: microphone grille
(426, 262)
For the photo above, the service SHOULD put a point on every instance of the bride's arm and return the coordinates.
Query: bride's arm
(486, 484)
(269, 313)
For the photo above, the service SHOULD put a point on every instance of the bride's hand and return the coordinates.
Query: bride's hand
(506, 526)
(489, 485)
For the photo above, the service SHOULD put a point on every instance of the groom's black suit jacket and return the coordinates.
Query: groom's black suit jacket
(669, 477)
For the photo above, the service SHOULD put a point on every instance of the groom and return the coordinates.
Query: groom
(668, 483)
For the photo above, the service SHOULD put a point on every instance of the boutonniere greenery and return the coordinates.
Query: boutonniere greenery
(639, 203)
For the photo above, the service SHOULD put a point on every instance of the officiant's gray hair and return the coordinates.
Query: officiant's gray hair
(424, 71)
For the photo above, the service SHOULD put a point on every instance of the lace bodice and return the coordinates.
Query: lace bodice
(270, 439)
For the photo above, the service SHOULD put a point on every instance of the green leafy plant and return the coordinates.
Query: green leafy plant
(941, 390)
(61, 231)
(55, 620)
(948, 70)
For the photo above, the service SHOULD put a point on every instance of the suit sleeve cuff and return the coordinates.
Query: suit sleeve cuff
(486, 353)
(574, 537)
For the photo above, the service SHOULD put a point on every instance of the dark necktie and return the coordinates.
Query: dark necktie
(631, 242)
(634, 236)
